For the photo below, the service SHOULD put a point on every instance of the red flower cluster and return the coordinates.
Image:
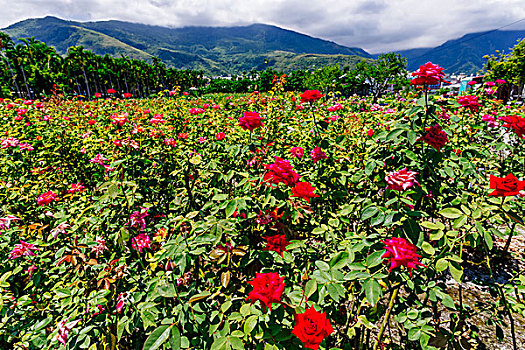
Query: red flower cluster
(140, 242)
(311, 96)
(276, 243)
(304, 190)
(317, 154)
(506, 186)
(78, 187)
(46, 198)
(127, 95)
(111, 91)
(22, 249)
(401, 180)
(250, 121)
(428, 74)
(435, 137)
(401, 253)
(312, 327)
(281, 171)
(267, 288)
(119, 119)
(516, 123)
(297, 152)
(469, 101)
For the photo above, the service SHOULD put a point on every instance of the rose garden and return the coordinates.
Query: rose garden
(272, 220)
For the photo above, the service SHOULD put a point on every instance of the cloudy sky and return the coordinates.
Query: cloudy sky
(374, 25)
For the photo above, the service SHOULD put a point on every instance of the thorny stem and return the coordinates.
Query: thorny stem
(461, 287)
(502, 294)
(387, 315)
(511, 233)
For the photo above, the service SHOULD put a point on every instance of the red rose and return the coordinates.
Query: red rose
(276, 243)
(428, 74)
(401, 180)
(516, 123)
(506, 186)
(297, 152)
(46, 198)
(469, 101)
(435, 137)
(267, 288)
(281, 171)
(318, 154)
(312, 327)
(250, 121)
(304, 190)
(220, 136)
(311, 96)
(401, 253)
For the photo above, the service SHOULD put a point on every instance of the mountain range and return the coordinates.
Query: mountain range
(226, 50)
(466, 53)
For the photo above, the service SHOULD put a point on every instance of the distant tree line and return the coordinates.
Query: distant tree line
(510, 67)
(32, 69)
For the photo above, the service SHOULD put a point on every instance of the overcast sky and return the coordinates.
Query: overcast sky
(374, 25)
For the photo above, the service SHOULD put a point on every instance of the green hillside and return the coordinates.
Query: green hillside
(214, 50)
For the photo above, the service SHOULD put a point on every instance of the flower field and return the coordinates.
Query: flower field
(273, 220)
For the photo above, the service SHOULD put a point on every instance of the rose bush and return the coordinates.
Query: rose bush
(189, 232)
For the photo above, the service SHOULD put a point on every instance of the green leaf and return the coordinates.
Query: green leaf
(414, 334)
(310, 288)
(412, 137)
(433, 225)
(42, 324)
(339, 261)
(322, 265)
(441, 265)
(166, 290)
(121, 325)
(413, 231)
(199, 296)
(459, 222)
(372, 291)
(369, 212)
(427, 248)
(370, 166)
(456, 272)
(175, 341)
(113, 191)
(236, 343)
(375, 258)
(488, 239)
(220, 344)
(225, 278)
(392, 135)
(451, 213)
(230, 208)
(157, 338)
(250, 324)
(220, 197)
(515, 217)
(332, 291)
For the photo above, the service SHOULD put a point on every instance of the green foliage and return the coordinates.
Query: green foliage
(95, 276)
(510, 67)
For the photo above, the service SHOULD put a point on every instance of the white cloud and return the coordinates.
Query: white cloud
(375, 25)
